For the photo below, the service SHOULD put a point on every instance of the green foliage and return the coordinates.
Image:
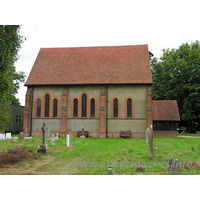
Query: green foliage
(176, 76)
(10, 43)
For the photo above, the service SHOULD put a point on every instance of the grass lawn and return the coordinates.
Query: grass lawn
(94, 155)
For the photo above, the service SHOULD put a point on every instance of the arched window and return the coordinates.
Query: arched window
(129, 108)
(115, 109)
(75, 107)
(84, 105)
(92, 114)
(38, 108)
(46, 111)
(55, 102)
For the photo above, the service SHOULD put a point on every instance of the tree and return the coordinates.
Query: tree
(176, 76)
(10, 43)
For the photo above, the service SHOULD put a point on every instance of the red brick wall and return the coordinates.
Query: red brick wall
(165, 133)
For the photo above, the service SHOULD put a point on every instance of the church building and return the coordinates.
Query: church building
(105, 89)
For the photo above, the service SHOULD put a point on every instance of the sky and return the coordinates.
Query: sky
(160, 24)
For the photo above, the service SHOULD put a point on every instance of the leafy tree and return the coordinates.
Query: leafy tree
(176, 75)
(10, 43)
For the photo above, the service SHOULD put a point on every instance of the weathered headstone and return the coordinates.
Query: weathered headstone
(140, 168)
(150, 143)
(82, 134)
(68, 142)
(109, 171)
(173, 166)
(2, 136)
(151, 134)
(82, 130)
(155, 148)
(21, 136)
(52, 138)
(8, 136)
(43, 147)
(47, 132)
(57, 136)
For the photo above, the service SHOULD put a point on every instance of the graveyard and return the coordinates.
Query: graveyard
(94, 156)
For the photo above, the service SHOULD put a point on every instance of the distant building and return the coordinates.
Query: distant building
(15, 125)
(106, 89)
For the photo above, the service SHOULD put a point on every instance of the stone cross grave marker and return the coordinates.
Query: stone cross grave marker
(68, 141)
(150, 143)
(43, 147)
(173, 166)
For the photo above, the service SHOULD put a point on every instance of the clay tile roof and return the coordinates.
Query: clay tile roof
(91, 65)
(165, 110)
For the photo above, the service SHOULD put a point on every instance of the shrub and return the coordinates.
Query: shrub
(15, 155)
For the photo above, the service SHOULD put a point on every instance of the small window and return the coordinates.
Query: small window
(46, 106)
(55, 107)
(75, 107)
(115, 110)
(18, 118)
(38, 108)
(92, 114)
(129, 108)
(84, 105)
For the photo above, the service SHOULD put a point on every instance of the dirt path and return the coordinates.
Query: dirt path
(188, 136)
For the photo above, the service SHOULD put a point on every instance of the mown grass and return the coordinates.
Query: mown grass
(121, 154)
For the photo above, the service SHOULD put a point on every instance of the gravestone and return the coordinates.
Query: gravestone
(21, 136)
(82, 133)
(146, 137)
(52, 138)
(173, 166)
(68, 141)
(47, 132)
(150, 143)
(151, 127)
(2, 136)
(109, 171)
(57, 136)
(155, 148)
(140, 169)
(43, 147)
(8, 136)
(82, 130)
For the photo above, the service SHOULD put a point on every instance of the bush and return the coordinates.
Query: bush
(15, 155)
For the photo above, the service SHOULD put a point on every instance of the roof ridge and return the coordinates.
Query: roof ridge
(93, 46)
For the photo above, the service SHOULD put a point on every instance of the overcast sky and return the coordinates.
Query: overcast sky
(160, 24)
